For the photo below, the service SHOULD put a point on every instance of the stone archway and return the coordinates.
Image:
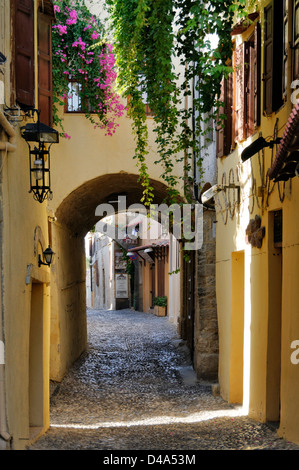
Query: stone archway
(74, 217)
(77, 210)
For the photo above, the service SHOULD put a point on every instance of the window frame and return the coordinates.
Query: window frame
(224, 128)
(23, 49)
(66, 101)
(273, 60)
(241, 94)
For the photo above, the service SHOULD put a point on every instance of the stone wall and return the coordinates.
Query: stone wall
(205, 322)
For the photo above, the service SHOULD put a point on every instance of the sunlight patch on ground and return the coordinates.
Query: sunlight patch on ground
(159, 420)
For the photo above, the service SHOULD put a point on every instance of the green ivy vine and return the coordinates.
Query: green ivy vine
(148, 34)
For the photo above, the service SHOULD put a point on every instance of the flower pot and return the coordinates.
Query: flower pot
(160, 311)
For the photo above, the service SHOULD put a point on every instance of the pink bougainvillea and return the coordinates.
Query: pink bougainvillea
(94, 35)
(61, 29)
(80, 55)
(73, 18)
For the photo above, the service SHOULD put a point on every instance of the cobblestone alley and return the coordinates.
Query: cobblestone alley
(134, 389)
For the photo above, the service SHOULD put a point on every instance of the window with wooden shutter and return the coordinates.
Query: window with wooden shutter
(248, 89)
(285, 47)
(256, 64)
(273, 56)
(45, 68)
(24, 52)
(219, 126)
(252, 82)
(161, 276)
(239, 92)
(224, 126)
(268, 59)
(295, 39)
(229, 82)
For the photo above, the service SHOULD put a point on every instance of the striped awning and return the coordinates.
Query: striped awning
(153, 245)
(155, 250)
(287, 156)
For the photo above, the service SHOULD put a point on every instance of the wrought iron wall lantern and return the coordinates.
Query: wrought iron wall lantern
(39, 156)
(2, 58)
(258, 145)
(48, 256)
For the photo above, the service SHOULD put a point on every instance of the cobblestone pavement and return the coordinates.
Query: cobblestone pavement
(135, 389)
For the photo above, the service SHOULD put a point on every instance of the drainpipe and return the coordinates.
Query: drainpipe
(195, 185)
(8, 146)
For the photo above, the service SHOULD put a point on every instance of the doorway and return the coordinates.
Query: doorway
(274, 316)
(187, 324)
(237, 328)
(36, 356)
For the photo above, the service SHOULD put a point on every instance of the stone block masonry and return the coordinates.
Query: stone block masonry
(206, 346)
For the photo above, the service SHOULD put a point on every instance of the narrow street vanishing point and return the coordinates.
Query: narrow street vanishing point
(135, 389)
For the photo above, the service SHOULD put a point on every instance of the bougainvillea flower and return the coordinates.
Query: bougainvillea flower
(86, 60)
(94, 35)
(73, 18)
(62, 29)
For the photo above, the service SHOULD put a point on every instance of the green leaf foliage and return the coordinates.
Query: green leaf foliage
(148, 35)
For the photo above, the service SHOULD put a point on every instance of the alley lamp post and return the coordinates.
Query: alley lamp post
(37, 136)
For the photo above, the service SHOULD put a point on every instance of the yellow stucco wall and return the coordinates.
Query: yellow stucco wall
(25, 305)
(264, 358)
(88, 155)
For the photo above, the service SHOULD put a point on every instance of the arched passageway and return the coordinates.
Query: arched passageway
(74, 217)
(77, 210)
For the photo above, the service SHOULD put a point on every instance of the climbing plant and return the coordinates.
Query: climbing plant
(148, 35)
(81, 55)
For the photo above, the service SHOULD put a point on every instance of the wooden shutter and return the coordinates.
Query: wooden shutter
(24, 52)
(285, 47)
(219, 126)
(161, 276)
(277, 54)
(268, 59)
(240, 92)
(229, 88)
(45, 68)
(252, 82)
(256, 64)
(248, 89)
(295, 39)
(273, 56)
(224, 127)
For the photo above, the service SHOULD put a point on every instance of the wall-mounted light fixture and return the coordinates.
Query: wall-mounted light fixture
(39, 157)
(2, 58)
(47, 255)
(211, 192)
(256, 146)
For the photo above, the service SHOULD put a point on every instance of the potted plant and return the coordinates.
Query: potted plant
(160, 306)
